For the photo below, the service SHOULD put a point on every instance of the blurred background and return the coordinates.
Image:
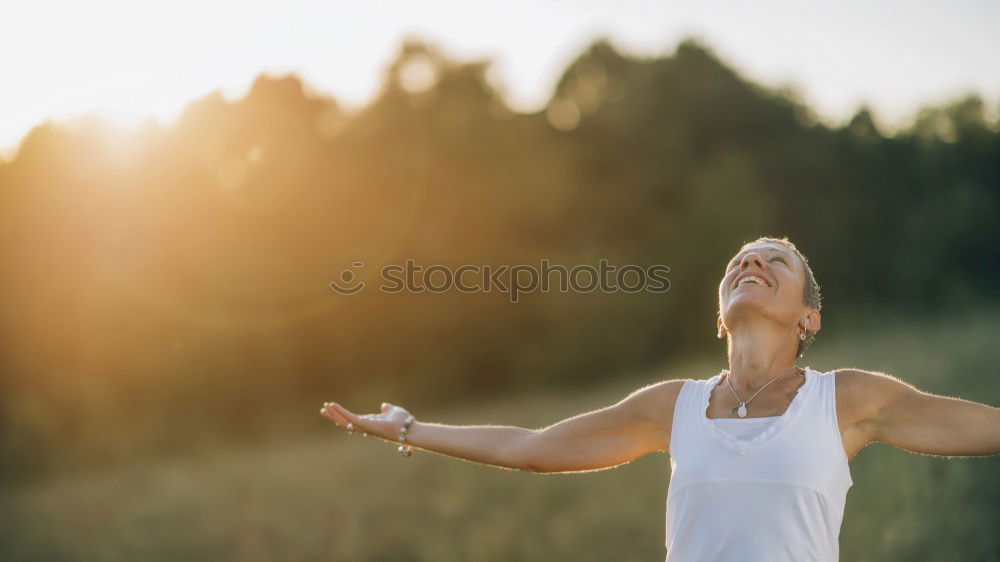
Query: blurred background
(181, 182)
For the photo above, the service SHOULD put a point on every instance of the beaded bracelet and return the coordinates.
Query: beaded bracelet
(405, 449)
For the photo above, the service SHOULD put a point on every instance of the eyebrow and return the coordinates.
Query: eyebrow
(783, 253)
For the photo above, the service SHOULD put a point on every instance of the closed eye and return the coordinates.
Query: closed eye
(783, 260)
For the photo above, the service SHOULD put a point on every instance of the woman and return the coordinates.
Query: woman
(758, 453)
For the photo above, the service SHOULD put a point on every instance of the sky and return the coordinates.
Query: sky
(130, 59)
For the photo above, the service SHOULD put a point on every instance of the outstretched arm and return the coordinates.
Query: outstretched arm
(895, 412)
(494, 445)
(637, 425)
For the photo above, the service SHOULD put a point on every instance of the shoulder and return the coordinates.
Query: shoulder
(855, 380)
(862, 393)
(666, 391)
(656, 397)
(654, 403)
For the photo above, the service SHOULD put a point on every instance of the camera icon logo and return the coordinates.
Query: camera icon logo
(347, 286)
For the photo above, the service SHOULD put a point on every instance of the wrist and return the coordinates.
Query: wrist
(405, 445)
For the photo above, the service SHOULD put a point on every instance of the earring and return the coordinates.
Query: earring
(802, 336)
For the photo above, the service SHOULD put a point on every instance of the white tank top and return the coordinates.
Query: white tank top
(757, 489)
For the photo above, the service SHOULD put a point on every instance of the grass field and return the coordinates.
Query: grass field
(330, 496)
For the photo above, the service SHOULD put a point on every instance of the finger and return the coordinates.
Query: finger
(333, 414)
(349, 416)
(385, 406)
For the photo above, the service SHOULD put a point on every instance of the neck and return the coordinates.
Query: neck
(759, 351)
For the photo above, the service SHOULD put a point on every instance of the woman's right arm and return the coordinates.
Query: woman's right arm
(494, 445)
(636, 425)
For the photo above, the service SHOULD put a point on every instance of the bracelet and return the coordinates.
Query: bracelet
(405, 449)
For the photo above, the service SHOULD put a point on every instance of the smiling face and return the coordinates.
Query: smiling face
(766, 279)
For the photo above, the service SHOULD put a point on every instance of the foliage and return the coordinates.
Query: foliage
(166, 283)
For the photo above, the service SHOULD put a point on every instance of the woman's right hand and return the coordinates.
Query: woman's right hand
(385, 424)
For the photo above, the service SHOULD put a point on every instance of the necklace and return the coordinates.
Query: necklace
(741, 410)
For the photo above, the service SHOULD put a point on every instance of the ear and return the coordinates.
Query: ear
(812, 322)
(721, 328)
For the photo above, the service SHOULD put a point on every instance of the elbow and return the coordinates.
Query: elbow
(531, 467)
(524, 454)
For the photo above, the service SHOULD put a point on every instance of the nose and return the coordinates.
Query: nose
(752, 258)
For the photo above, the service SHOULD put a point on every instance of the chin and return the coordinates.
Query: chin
(744, 304)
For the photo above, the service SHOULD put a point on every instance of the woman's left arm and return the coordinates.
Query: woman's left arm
(897, 413)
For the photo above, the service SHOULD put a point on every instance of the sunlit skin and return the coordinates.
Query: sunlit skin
(763, 324)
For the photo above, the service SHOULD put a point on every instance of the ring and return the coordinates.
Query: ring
(350, 428)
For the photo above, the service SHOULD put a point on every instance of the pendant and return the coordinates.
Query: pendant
(743, 410)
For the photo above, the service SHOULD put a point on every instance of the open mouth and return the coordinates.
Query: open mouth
(751, 279)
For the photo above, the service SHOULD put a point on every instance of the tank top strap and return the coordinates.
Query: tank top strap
(686, 400)
(686, 425)
(828, 390)
(825, 399)
(813, 391)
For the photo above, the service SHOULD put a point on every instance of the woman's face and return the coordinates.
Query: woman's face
(775, 291)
